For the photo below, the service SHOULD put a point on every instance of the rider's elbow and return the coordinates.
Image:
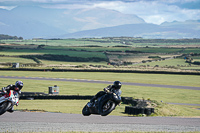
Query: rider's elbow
(116, 99)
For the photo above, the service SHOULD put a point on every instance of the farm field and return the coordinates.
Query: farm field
(122, 53)
(103, 53)
(108, 41)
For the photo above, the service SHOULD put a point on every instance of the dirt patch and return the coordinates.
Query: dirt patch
(182, 46)
(5, 44)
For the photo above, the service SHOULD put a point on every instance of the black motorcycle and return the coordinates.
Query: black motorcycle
(103, 106)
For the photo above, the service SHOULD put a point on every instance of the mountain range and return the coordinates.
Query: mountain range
(37, 22)
(173, 30)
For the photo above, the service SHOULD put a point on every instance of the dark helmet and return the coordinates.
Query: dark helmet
(117, 84)
(19, 85)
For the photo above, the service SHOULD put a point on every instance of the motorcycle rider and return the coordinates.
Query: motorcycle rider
(17, 87)
(115, 88)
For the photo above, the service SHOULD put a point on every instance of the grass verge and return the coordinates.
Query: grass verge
(76, 106)
(165, 79)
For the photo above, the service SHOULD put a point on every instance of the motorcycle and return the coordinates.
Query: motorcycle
(103, 106)
(7, 101)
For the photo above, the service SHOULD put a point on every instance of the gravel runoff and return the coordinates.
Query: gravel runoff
(57, 122)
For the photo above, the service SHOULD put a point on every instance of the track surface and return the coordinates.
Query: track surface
(55, 122)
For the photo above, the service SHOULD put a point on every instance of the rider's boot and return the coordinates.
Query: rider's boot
(92, 100)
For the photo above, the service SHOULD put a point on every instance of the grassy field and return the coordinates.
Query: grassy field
(54, 52)
(167, 95)
(119, 51)
(166, 79)
(171, 64)
(116, 51)
(76, 106)
(109, 41)
(63, 42)
(14, 59)
(76, 88)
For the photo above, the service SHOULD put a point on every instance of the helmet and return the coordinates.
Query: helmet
(19, 85)
(117, 84)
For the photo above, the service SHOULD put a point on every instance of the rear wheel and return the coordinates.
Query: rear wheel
(107, 107)
(3, 107)
(86, 111)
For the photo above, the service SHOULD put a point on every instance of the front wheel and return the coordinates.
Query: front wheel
(86, 111)
(107, 107)
(3, 107)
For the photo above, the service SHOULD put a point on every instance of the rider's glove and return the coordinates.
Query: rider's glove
(4, 89)
(107, 88)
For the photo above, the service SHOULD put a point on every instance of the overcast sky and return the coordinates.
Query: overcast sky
(152, 11)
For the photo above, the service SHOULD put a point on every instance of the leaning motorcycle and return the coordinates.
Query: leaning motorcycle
(7, 101)
(103, 106)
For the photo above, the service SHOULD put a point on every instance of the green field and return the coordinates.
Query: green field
(119, 53)
(99, 53)
(109, 41)
(166, 79)
(167, 95)
(76, 106)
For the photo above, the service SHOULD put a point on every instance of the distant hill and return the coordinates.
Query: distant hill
(31, 22)
(19, 24)
(36, 22)
(173, 30)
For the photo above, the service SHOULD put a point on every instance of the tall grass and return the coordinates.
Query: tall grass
(76, 106)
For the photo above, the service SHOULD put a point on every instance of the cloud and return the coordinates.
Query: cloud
(7, 7)
(152, 11)
(155, 12)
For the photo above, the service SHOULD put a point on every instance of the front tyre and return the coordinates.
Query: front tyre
(107, 107)
(3, 107)
(86, 111)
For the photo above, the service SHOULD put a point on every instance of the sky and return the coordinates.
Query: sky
(152, 11)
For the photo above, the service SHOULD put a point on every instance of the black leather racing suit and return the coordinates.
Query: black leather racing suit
(110, 88)
(10, 87)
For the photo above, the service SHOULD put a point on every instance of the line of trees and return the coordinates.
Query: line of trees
(63, 58)
(141, 40)
(6, 37)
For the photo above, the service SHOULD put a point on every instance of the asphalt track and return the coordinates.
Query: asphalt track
(57, 122)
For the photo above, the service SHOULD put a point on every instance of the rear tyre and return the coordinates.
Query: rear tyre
(3, 107)
(106, 107)
(86, 111)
